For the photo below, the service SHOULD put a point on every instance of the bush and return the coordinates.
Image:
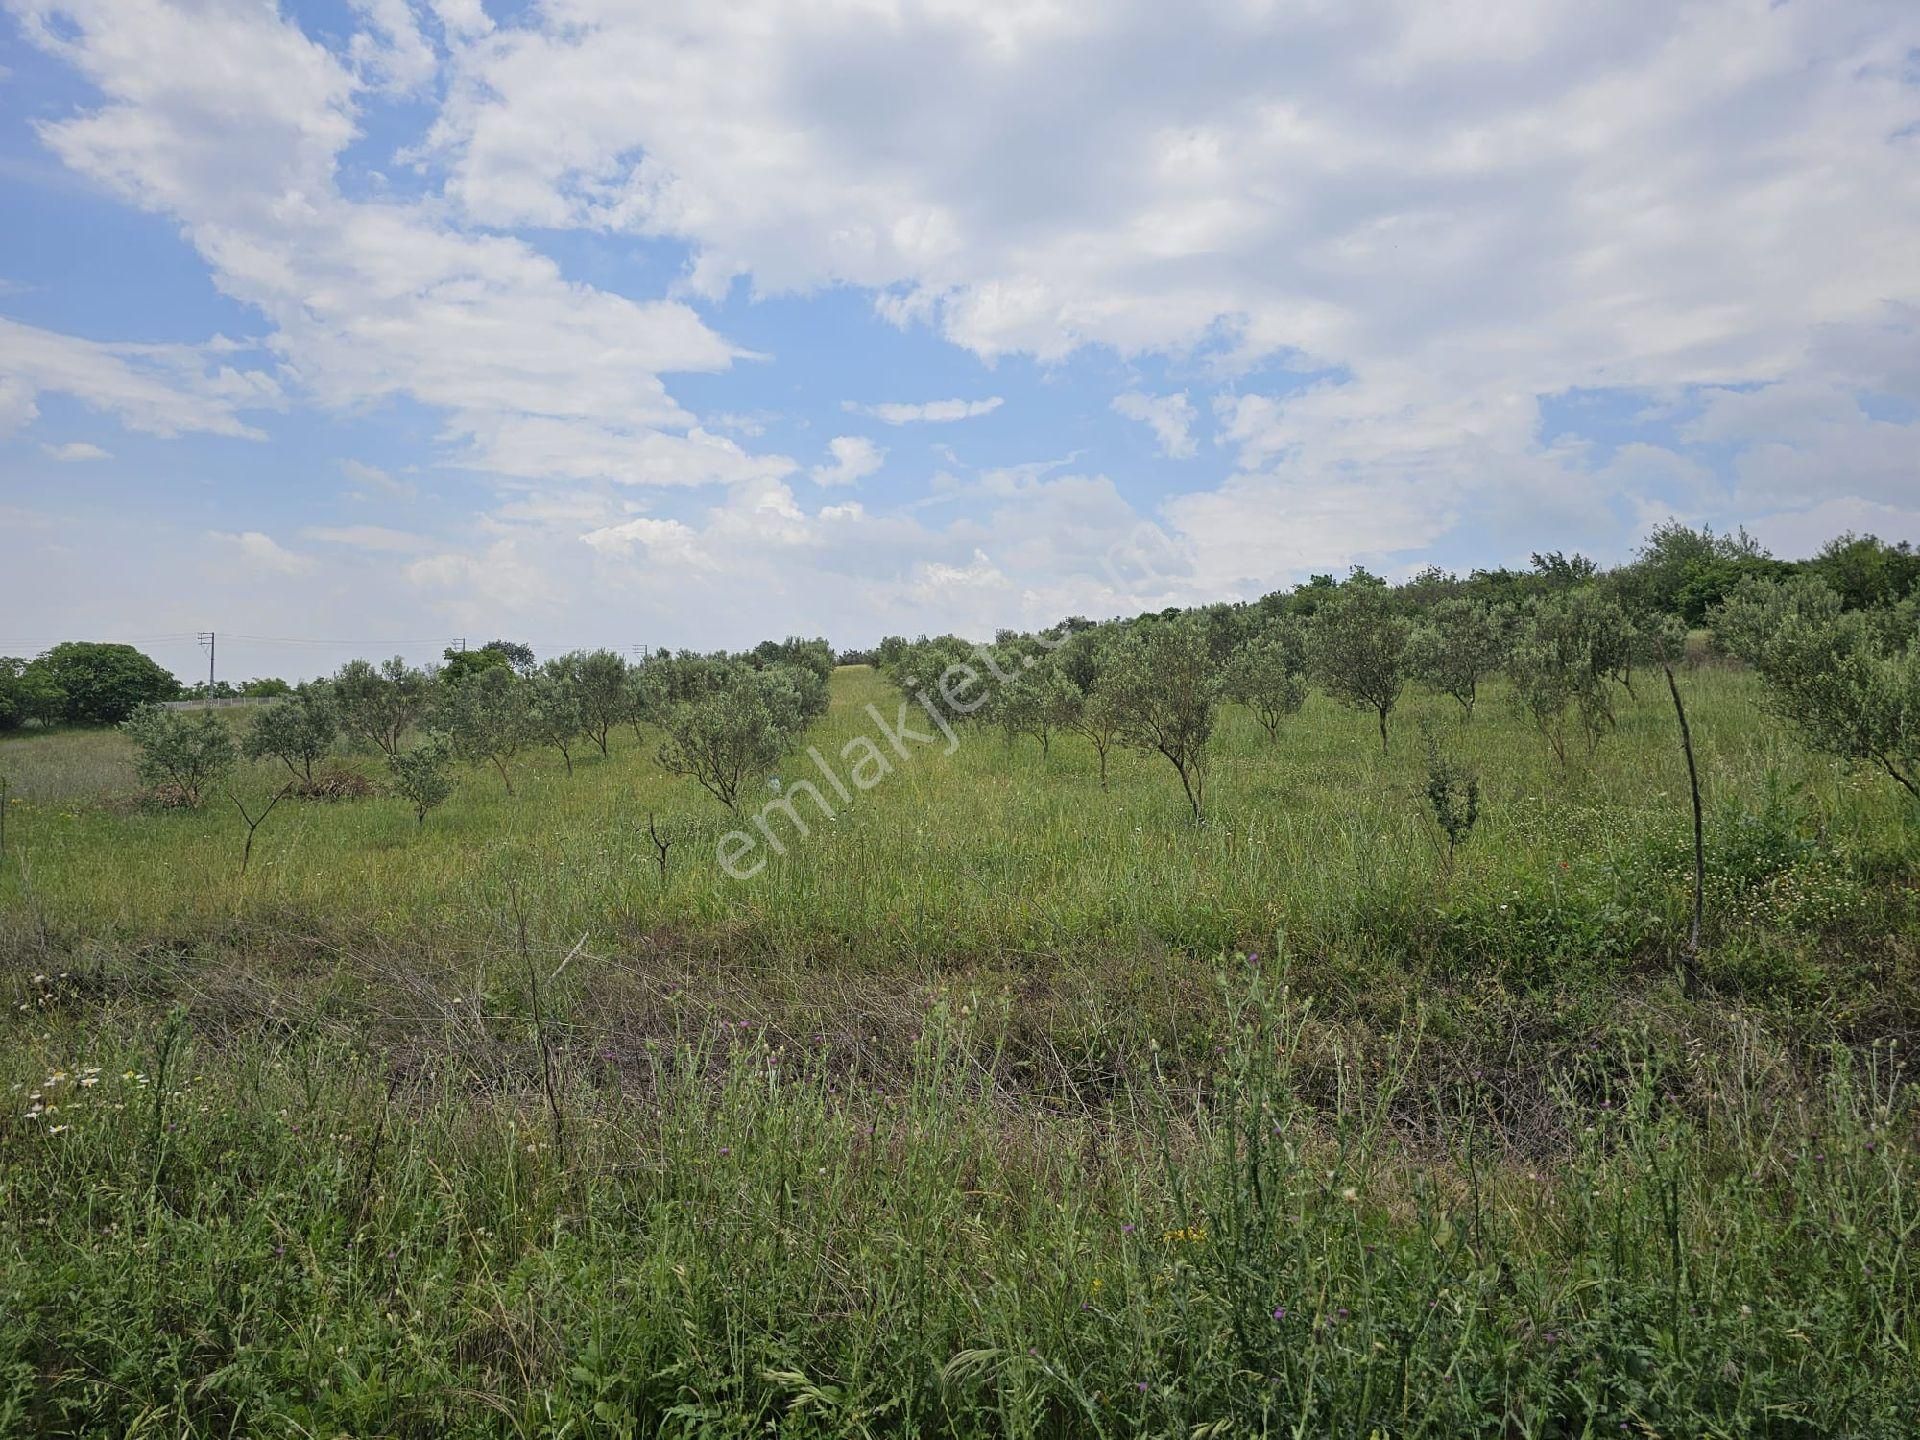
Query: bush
(1848, 681)
(297, 731)
(181, 755)
(420, 776)
(737, 733)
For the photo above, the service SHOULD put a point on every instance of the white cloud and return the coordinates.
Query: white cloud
(262, 555)
(234, 122)
(1439, 220)
(666, 541)
(373, 478)
(930, 410)
(854, 458)
(1171, 417)
(366, 537)
(536, 446)
(76, 450)
(163, 390)
(392, 51)
(1373, 241)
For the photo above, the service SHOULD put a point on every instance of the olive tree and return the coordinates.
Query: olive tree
(1459, 644)
(735, 732)
(189, 753)
(1847, 681)
(486, 717)
(1268, 674)
(420, 776)
(554, 716)
(1358, 647)
(1165, 691)
(1037, 700)
(380, 704)
(1085, 662)
(599, 681)
(1563, 655)
(296, 731)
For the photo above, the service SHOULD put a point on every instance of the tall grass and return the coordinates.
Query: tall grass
(953, 1121)
(279, 1239)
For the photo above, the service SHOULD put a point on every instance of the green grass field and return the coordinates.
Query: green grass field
(999, 1104)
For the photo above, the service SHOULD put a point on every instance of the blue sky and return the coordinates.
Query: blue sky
(346, 327)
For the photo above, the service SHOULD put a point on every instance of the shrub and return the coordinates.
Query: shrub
(1453, 795)
(420, 776)
(1847, 681)
(296, 731)
(736, 733)
(181, 755)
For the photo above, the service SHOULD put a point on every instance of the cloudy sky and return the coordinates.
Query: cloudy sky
(353, 326)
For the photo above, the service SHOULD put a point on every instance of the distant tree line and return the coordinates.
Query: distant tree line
(1832, 639)
(724, 719)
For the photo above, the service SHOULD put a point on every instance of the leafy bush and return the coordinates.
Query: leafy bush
(736, 733)
(420, 776)
(1268, 674)
(297, 731)
(1848, 681)
(182, 754)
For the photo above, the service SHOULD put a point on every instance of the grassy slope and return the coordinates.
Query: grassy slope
(992, 852)
(944, 1124)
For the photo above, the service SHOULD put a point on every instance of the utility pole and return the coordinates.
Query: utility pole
(207, 639)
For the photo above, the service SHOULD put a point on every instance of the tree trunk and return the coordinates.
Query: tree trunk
(1383, 730)
(1691, 962)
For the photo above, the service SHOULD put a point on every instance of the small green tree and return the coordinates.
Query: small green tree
(420, 776)
(1543, 688)
(1566, 652)
(1453, 795)
(297, 730)
(1086, 662)
(1358, 646)
(1268, 674)
(380, 705)
(1458, 645)
(486, 717)
(1036, 701)
(553, 711)
(188, 753)
(599, 681)
(1165, 691)
(735, 733)
(1847, 681)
